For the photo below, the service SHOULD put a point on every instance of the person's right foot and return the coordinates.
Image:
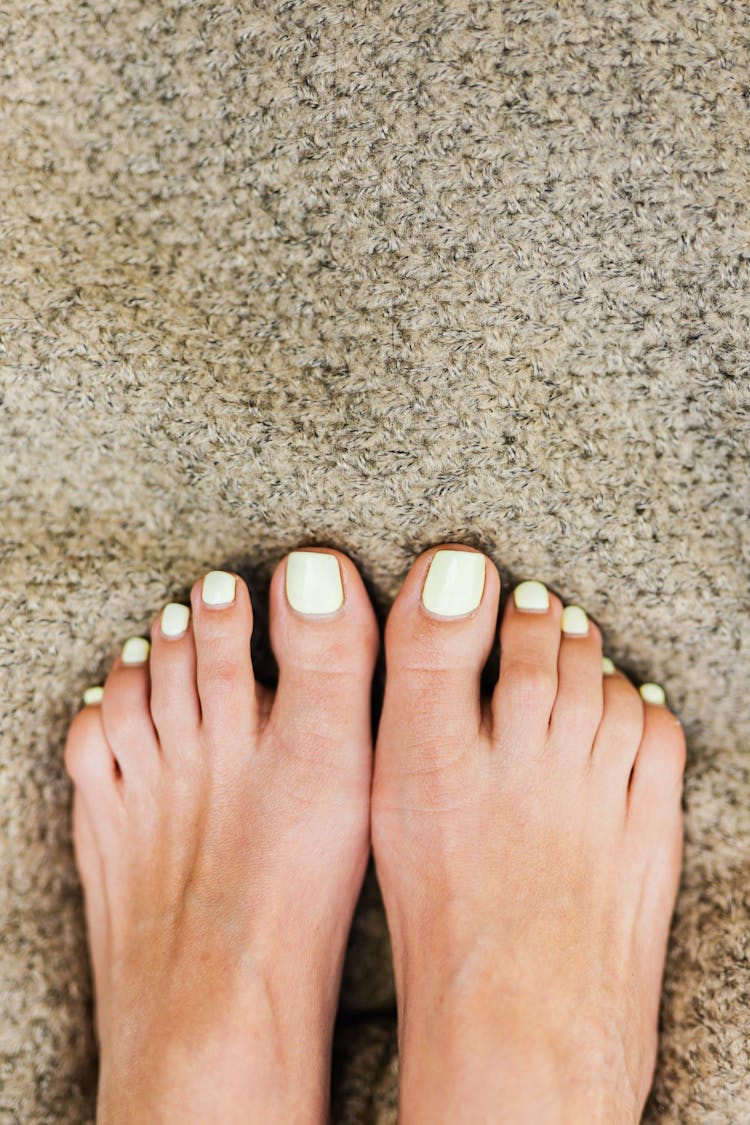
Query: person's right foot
(528, 852)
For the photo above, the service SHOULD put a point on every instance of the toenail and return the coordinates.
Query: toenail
(608, 667)
(455, 583)
(93, 695)
(313, 582)
(219, 588)
(135, 650)
(174, 620)
(653, 693)
(531, 597)
(575, 623)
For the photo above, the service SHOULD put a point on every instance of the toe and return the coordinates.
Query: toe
(620, 731)
(654, 821)
(656, 783)
(527, 685)
(174, 690)
(89, 760)
(325, 639)
(437, 639)
(222, 622)
(126, 713)
(577, 711)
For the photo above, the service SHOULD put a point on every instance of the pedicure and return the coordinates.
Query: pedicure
(135, 650)
(531, 597)
(313, 582)
(574, 623)
(454, 584)
(219, 588)
(174, 620)
(93, 695)
(608, 667)
(653, 693)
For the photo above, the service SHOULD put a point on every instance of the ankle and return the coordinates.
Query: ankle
(470, 1063)
(250, 1065)
(190, 1083)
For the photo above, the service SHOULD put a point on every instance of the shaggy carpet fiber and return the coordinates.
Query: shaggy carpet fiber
(374, 275)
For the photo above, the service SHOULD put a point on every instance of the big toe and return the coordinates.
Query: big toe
(325, 638)
(438, 636)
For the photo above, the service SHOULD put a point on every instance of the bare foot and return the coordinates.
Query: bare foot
(221, 832)
(528, 851)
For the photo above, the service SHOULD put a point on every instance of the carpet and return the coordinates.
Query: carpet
(376, 276)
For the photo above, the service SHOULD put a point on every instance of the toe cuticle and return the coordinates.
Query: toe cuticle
(313, 583)
(93, 696)
(575, 622)
(531, 597)
(219, 589)
(455, 583)
(135, 650)
(175, 619)
(653, 693)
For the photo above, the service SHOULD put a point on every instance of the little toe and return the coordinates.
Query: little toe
(620, 730)
(175, 706)
(654, 821)
(656, 782)
(438, 636)
(580, 694)
(89, 760)
(527, 685)
(222, 622)
(325, 638)
(126, 712)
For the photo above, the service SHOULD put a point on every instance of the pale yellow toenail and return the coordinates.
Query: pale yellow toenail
(653, 693)
(531, 597)
(219, 588)
(313, 582)
(174, 620)
(608, 667)
(135, 650)
(574, 623)
(454, 583)
(93, 695)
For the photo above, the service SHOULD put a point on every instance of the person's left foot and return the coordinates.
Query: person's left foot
(222, 834)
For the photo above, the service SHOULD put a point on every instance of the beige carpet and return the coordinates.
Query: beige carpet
(374, 275)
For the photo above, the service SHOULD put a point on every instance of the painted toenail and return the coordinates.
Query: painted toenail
(531, 597)
(608, 667)
(313, 582)
(574, 623)
(93, 695)
(174, 620)
(135, 650)
(219, 588)
(454, 583)
(653, 693)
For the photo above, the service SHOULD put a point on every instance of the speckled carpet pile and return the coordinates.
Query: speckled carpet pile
(374, 275)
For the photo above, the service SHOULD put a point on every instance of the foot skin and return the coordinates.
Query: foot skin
(222, 834)
(528, 849)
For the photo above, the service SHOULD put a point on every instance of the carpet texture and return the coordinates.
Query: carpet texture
(377, 276)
